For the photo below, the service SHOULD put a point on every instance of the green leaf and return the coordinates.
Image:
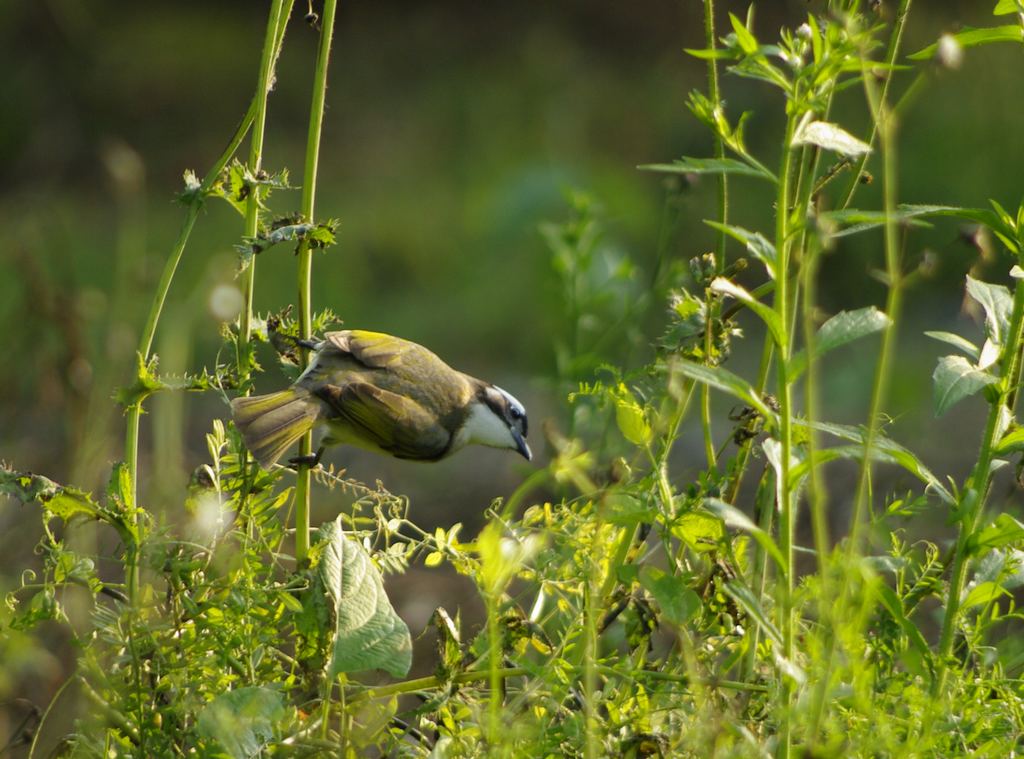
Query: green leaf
(894, 606)
(956, 341)
(972, 37)
(766, 313)
(896, 452)
(1011, 442)
(843, 328)
(367, 633)
(997, 302)
(687, 165)
(746, 40)
(62, 502)
(679, 603)
(243, 721)
(831, 137)
(742, 595)
(630, 417)
(733, 517)
(724, 380)
(759, 247)
(1005, 7)
(983, 593)
(852, 220)
(702, 531)
(955, 378)
(1002, 532)
(66, 503)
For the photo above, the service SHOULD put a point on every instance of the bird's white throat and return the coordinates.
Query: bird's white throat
(483, 427)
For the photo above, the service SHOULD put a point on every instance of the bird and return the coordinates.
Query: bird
(381, 393)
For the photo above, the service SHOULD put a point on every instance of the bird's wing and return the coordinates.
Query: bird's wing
(397, 424)
(373, 350)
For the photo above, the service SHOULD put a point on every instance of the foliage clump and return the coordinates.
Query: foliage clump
(638, 604)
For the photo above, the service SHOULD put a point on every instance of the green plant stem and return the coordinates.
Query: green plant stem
(46, 714)
(252, 208)
(305, 256)
(787, 505)
(972, 502)
(885, 128)
(723, 217)
(890, 59)
(134, 412)
(495, 677)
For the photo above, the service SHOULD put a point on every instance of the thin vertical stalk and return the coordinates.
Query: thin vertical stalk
(723, 217)
(255, 165)
(890, 60)
(787, 505)
(494, 656)
(305, 256)
(817, 496)
(195, 203)
(134, 411)
(885, 127)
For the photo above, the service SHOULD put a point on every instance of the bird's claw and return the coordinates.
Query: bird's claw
(311, 460)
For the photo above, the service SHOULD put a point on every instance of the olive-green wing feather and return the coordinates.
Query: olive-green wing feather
(397, 424)
(374, 350)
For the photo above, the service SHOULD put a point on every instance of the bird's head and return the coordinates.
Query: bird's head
(498, 420)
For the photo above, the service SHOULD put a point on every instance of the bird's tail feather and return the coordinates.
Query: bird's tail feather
(271, 423)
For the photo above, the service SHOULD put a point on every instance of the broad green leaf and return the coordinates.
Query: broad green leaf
(852, 220)
(1002, 532)
(955, 378)
(1003, 565)
(899, 455)
(746, 40)
(1011, 442)
(766, 313)
(836, 453)
(742, 595)
(971, 37)
(1005, 7)
(243, 721)
(679, 603)
(367, 634)
(956, 341)
(630, 417)
(983, 593)
(724, 380)
(759, 247)
(733, 517)
(843, 328)
(997, 302)
(831, 137)
(688, 165)
(701, 531)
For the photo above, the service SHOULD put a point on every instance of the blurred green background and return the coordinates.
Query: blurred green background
(453, 129)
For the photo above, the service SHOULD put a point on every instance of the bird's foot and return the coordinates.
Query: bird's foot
(311, 460)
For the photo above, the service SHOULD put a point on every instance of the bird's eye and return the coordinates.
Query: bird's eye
(516, 413)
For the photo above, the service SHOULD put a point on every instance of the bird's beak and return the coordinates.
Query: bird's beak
(521, 446)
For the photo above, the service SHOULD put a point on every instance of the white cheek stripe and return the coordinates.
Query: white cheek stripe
(484, 428)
